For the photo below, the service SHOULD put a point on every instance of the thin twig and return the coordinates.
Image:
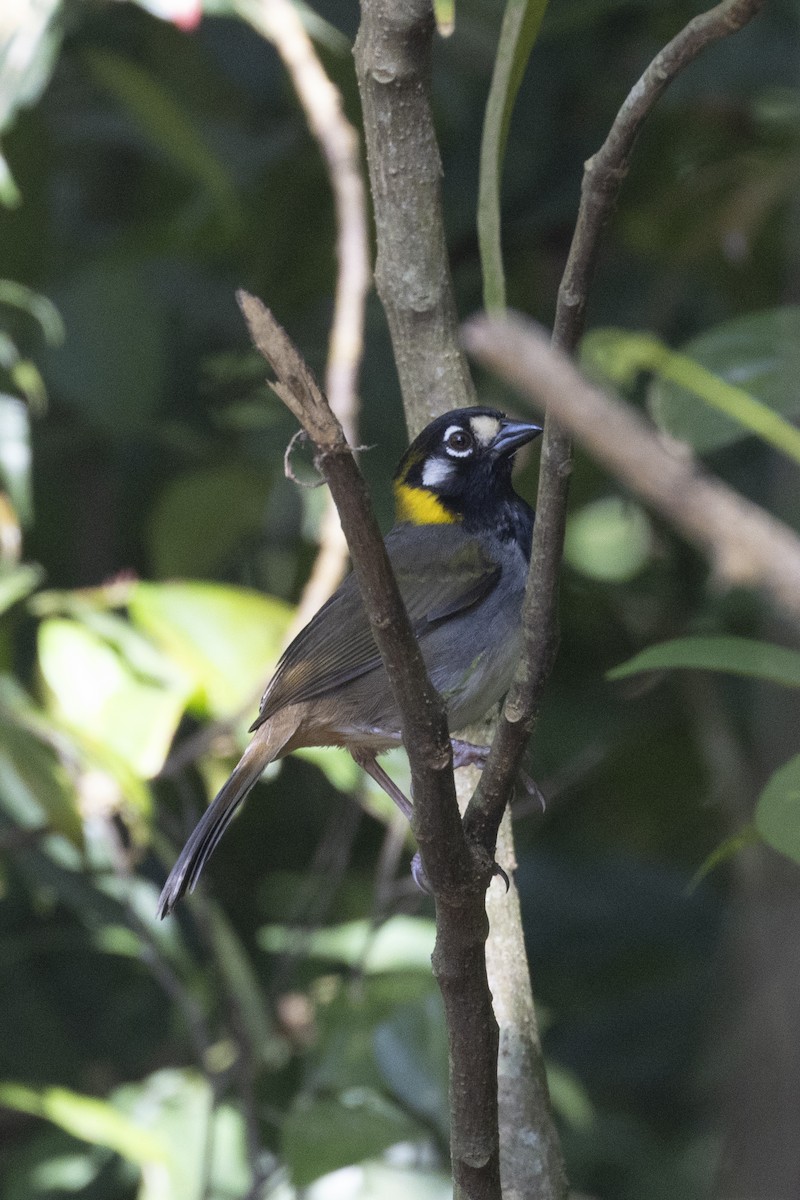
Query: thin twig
(279, 21)
(745, 545)
(317, 891)
(393, 56)
(604, 174)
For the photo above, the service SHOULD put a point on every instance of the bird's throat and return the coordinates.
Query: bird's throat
(419, 506)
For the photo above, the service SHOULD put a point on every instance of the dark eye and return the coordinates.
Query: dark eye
(459, 441)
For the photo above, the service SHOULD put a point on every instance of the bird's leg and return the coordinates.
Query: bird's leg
(369, 763)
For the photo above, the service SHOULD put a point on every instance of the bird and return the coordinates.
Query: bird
(460, 550)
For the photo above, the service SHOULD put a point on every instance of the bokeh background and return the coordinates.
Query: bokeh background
(283, 1032)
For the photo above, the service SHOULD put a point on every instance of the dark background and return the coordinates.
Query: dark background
(158, 171)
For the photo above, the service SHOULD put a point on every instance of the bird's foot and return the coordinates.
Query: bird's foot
(466, 754)
(422, 882)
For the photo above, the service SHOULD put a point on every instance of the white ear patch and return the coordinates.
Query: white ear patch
(485, 429)
(436, 472)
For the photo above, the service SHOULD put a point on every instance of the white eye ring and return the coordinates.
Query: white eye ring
(466, 450)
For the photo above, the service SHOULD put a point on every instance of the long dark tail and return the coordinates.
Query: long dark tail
(213, 823)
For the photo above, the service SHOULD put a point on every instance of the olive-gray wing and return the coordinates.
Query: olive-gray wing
(440, 570)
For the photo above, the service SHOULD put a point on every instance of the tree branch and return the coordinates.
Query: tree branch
(458, 882)
(412, 272)
(604, 174)
(279, 21)
(745, 545)
(393, 64)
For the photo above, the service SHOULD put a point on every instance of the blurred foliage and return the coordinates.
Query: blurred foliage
(285, 1025)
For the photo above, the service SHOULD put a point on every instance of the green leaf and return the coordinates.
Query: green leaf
(93, 690)
(444, 14)
(34, 787)
(338, 766)
(112, 365)
(10, 195)
(179, 1107)
(610, 539)
(322, 1135)
(18, 582)
(518, 33)
(744, 370)
(569, 1098)
(87, 1118)
(43, 311)
(729, 848)
(400, 944)
(226, 502)
(777, 816)
(411, 1052)
(28, 52)
(28, 381)
(15, 455)
(733, 655)
(225, 639)
(169, 128)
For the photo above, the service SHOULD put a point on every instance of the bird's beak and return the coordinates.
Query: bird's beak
(514, 434)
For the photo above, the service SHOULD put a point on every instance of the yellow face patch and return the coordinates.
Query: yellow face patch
(418, 506)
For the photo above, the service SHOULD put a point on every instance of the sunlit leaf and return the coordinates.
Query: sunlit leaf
(92, 689)
(338, 766)
(225, 639)
(10, 195)
(400, 944)
(323, 1134)
(87, 1118)
(34, 787)
(569, 1098)
(42, 309)
(777, 816)
(18, 582)
(83, 751)
(15, 455)
(610, 539)
(378, 1180)
(28, 50)
(179, 1108)
(732, 655)
(444, 14)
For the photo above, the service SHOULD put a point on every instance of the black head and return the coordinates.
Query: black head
(459, 468)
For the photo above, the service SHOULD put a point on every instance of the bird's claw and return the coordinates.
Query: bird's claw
(423, 883)
(497, 870)
(419, 876)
